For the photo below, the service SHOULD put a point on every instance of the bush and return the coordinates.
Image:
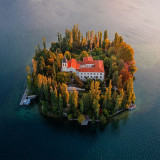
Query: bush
(103, 119)
(69, 116)
(81, 118)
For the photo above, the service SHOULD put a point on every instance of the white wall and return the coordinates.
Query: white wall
(91, 75)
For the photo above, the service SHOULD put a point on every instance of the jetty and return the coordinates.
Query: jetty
(24, 96)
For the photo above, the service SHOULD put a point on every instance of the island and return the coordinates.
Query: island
(83, 78)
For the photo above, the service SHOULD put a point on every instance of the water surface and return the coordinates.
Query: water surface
(25, 134)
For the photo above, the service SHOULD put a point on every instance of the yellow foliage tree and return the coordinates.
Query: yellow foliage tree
(65, 93)
(34, 63)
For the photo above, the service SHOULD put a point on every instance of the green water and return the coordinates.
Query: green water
(25, 134)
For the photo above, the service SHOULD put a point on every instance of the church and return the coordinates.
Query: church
(86, 69)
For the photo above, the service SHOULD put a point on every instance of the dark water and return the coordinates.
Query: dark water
(25, 134)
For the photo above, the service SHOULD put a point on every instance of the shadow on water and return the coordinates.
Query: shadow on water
(121, 118)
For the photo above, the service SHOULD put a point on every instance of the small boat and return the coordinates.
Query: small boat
(132, 107)
(26, 102)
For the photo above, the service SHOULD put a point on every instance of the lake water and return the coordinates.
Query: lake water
(25, 134)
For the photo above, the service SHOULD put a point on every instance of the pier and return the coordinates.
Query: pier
(24, 96)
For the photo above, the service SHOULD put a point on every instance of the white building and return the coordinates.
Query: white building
(86, 69)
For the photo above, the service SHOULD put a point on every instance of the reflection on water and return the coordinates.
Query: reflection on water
(25, 133)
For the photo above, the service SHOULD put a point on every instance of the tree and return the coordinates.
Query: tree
(130, 93)
(54, 100)
(59, 60)
(46, 94)
(106, 62)
(81, 118)
(65, 93)
(60, 103)
(125, 75)
(115, 78)
(28, 69)
(110, 90)
(126, 53)
(54, 71)
(119, 82)
(96, 107)
(100, 38)
(105, 40)
(81, 106)
(67, 55)
(83, 54)
(94, 90)
(41, 65)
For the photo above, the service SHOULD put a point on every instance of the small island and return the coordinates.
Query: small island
(83, 78)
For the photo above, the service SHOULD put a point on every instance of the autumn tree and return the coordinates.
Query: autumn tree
(83, 54)
(119, 82)
(65, 94)
(126, 53)
(81, 118)
(96, 107)
(67, 55)
(125, 75)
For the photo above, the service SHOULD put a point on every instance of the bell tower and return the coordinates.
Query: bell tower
(64, 64)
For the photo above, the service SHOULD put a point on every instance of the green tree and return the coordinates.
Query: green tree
(60, 103)
(96, 107)
(81, 106)
(115, 78)
(67, 55)
(83, 54)
(81, 118)
(54, 100)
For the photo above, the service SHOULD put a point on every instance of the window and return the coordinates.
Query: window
(94, 74)
(91, 76)
(84, 73)
(97, 73)
(100, 73)
(100, 76)
(81, 73)
(90, 73)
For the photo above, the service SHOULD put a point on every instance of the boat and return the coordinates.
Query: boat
(132, 107)
(26, 102)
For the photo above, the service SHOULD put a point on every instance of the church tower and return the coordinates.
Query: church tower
(64, 64)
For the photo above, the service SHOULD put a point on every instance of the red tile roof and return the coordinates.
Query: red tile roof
(97, 67)
(73, 63)
(87, 59)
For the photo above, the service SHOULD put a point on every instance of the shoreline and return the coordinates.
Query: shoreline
(64, 115)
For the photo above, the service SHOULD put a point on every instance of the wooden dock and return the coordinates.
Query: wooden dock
(24, 96)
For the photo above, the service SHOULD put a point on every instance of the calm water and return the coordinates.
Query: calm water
(25, 134)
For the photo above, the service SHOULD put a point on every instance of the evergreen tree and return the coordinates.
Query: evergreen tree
(81, 106)
(60, 103)
(115, 78)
